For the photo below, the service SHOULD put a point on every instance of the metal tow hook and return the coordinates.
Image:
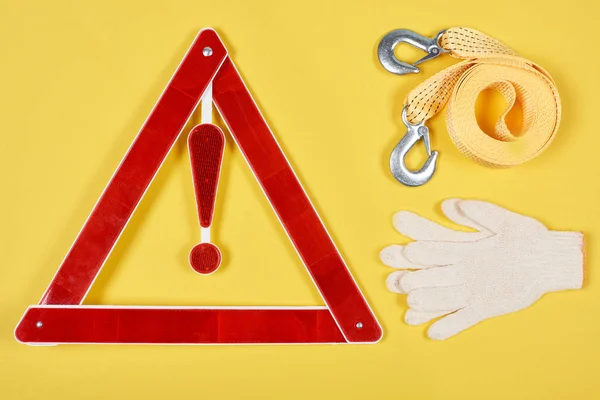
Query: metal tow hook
(401, 172)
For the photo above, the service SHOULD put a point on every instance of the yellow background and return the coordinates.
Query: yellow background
(77, 80)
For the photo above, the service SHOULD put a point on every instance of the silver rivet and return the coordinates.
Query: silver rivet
(39, 324)
(359, 325)
(423, 130)
(207, 52)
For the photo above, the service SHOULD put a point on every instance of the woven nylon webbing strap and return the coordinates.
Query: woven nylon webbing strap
(489, 64)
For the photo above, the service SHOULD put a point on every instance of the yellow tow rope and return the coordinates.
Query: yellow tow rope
(489, 64)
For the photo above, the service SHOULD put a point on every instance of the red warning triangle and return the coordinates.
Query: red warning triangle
(61, 318)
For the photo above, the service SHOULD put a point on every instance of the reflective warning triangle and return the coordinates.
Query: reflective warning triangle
(60, 316)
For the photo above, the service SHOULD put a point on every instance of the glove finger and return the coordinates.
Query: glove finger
(393, 282)
(455, 323)
(418, 228)
(432, 277)
(451, 209)
(437, 253)
(438, 299)
(393, 256)
(494, 217)
(413, 317)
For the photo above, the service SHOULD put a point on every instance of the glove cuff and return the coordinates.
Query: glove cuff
(565, 261)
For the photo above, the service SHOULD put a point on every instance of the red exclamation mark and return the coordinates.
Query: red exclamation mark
(206, 144)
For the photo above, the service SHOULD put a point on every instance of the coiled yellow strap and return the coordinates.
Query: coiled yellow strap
(489, 64)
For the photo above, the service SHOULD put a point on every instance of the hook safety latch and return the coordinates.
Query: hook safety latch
(401, 172)
(385, 51)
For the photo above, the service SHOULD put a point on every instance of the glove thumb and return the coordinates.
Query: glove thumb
(496, 218)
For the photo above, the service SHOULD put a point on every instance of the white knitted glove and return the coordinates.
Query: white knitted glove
(507, 265)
